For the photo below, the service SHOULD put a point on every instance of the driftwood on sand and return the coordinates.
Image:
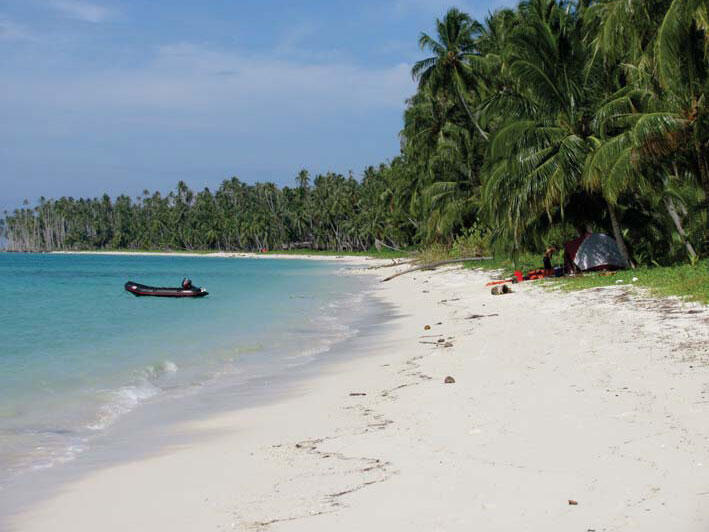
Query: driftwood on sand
(389, 265)
(478, 316)
(433, 266)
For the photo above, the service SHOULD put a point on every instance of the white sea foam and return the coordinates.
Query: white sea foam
(115, 403)
(58, 456)
(330, 327)
(126, 398)
(156, 371)
(121, 402)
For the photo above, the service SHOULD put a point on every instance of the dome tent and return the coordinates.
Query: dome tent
(594, 251)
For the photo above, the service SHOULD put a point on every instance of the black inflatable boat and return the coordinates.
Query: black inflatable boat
(138, 289)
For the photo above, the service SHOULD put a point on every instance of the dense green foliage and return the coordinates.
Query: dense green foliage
(333, 212)
(576, 114)
(526, 127)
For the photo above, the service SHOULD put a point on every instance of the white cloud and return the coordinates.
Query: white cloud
(188, 77)
(82, 10)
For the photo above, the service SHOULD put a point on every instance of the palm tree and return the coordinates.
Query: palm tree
(682, 51)
(652, 131)
(452, 197)
(455, 60)
(535, 160)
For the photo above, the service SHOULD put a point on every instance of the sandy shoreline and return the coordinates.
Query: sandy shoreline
(349, 259)
(595, 396)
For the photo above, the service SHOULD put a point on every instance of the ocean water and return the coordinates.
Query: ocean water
(78, 353)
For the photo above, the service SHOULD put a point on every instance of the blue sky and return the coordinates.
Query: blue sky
(122, 95)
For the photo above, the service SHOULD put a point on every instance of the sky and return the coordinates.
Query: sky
(119, 96)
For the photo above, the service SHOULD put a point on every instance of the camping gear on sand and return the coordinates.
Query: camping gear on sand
(594, 251)
(532, 275)
(503, 281)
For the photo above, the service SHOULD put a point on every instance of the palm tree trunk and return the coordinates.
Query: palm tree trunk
(670, 205)
(703, 163)
(470, 115)
(618, 235)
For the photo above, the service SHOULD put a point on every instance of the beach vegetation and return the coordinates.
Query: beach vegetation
(688, 281)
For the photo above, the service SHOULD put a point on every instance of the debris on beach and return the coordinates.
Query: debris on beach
(498, 290)
(394, 262)
(573, 502)
(478, 316)
(449, 380)
(441, 342)
(357, 394)
(433, 266)
(426, 327)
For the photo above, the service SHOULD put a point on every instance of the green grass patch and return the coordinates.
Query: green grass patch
(687, 281)
(684, 280)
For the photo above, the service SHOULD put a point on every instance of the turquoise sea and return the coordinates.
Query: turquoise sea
(78, 353)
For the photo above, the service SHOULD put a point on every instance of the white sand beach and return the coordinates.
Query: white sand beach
(581, 411)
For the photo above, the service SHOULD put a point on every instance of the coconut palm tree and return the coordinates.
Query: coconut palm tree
(652, 131)
(452, 68)
(682, 51)
(535, 160)
(452, 197)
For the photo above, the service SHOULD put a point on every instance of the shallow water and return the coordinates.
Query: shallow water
(78, 353)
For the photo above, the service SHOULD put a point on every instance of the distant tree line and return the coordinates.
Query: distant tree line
(538, 122)
(333, 212)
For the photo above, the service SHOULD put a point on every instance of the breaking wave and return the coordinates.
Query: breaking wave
(126, 398)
